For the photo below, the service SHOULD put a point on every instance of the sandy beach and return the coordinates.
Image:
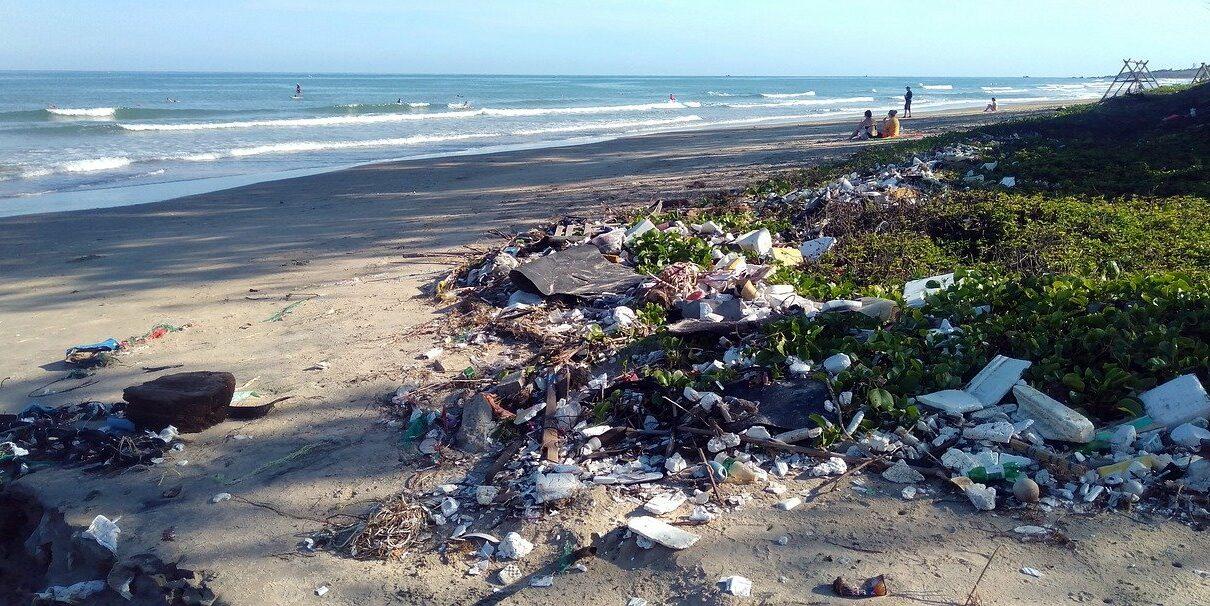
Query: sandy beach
(357, 246)
(82, 276)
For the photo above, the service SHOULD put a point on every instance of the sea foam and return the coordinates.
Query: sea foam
(809, 93)
(289, 122)
(78, 166)
(86, 112)
(294, 147)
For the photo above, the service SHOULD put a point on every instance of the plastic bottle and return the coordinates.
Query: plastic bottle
(1008, 471)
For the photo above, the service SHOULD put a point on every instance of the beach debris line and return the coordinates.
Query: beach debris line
(687, 375)
(143, 430)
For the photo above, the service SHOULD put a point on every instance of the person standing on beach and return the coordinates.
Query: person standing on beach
(907, 103)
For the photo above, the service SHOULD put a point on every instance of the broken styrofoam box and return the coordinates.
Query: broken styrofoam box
(814, 249)
(952, 401)
(996, 379)
(1180, 400)
(915, 291)
(661, 532)
(758, 242)
(1052, 420)
(643, 227)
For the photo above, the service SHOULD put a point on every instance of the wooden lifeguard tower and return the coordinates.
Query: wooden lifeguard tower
(1134, 78)
(1202, 75)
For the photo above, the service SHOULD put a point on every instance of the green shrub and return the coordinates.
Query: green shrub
(656, 249)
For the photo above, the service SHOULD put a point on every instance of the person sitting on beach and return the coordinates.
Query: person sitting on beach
(889, 128)
(991, 107)
(865, 129)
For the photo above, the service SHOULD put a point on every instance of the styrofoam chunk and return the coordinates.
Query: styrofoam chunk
(1178, 401)
(996, 379)
(915, 291)
(661, 532)
(952, 401)
(1052, 420)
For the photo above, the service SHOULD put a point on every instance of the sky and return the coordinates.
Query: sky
(632, 37)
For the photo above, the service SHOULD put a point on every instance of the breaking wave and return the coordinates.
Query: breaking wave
(1003, 89)
(87, 112)
(309, 146)
(937, 86)
(79, 166)
(401, 117)
(287, 122)
(809, 93)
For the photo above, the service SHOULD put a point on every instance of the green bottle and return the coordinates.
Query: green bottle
(1009, 471)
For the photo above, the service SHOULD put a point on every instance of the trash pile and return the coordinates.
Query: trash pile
(138, 431)
(93, 434)
(74, 565)
(103, 353)
(663, 423)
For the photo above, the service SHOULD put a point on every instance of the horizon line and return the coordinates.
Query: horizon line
(511, 75)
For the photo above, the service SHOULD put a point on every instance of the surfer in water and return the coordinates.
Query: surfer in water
(297, 90)
(672, 98)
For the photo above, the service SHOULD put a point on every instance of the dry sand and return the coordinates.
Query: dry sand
(366, 240)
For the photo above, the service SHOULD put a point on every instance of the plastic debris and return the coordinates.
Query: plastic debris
(952, 401)
(837, 364)
(737, 586)
(576, 271)
(105, 532)
(789, 504)
(981, 496)
(902, 473)
(1000, 432)
(1189, 435)
(758, 242)
(1180, 400)
(915, 291)
(871, 587)
(814, 249)
(1052, 420)
(665, 503)
(996, 379)
(510, 574)
(834, 466)
(513, 547)
(77, 593)
(661, 532)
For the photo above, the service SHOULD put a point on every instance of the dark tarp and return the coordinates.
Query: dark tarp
(578, 271)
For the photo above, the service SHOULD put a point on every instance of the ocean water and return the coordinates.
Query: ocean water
(76, 132)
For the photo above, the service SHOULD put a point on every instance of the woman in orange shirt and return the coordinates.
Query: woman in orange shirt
(889, 129)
